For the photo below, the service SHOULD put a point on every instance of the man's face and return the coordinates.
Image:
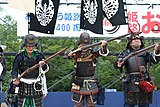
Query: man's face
(136, 43)
(86, 41)
(29, 49)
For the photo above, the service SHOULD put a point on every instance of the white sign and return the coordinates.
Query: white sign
(142, 1)
(68, 23)
(147, 18)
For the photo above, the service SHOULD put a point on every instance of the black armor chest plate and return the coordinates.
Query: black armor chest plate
(27, 63)
(85, 64)
(133, 63)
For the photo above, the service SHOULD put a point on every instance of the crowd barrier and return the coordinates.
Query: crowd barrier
(112, 99)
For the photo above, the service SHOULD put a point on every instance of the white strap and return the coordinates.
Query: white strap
(29, 81)
(104, 54)
(154, 55)
(1, 69)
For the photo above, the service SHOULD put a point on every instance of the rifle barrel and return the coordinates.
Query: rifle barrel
(98, 43)
(111, 39)
(140, 51)
(56, 54)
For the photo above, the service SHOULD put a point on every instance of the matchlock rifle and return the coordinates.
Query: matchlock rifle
(138, 52)
(98, 43)
(37, 65)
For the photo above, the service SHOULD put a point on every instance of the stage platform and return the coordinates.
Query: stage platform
(63, 99)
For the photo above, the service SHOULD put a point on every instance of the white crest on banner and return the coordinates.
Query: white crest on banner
(90, 10)
(110, 7)
(44, 13)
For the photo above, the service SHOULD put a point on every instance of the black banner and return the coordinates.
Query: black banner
(115, 11)
(45, 16)
(92, 16)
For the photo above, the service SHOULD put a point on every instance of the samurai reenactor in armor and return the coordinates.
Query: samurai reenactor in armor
(136, 70)
(2, 66)
(10, 97)
(31, 86)
(2, 69)
(84, 82)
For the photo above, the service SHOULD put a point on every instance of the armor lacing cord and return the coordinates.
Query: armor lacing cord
(41, 73)
(103, 53)
(139, 69)
(34, 86)
(154, 55)
(86, 82)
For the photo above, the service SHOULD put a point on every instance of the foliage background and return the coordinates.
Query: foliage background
(59, 75)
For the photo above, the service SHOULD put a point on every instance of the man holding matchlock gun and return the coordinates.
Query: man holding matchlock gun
(84, 82)
(136, 81)
(32, 87)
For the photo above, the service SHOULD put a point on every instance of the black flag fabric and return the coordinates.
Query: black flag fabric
(92, 16)
(45, 16)
(115, 11)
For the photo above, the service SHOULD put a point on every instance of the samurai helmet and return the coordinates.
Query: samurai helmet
(30, 40)
(84, 38)
(133, 36)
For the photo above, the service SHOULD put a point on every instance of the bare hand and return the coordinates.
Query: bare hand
(120, 63)
(156, 47)
(16, 82)
(104, 42)
(70, 54)
(41, 62)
